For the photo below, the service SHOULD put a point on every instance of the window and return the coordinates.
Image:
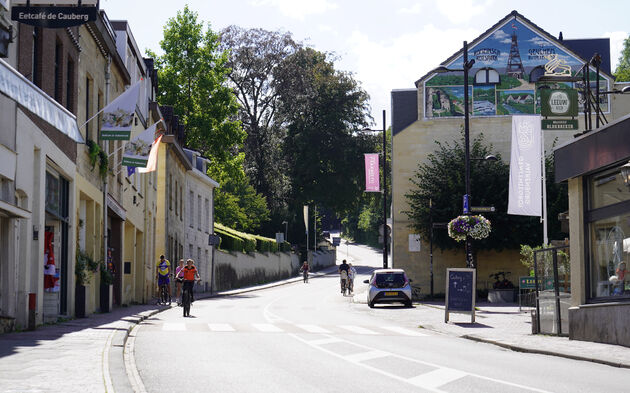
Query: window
(99, 105)
(176, 198)
(58, 75)
(191, 206)
(181, 203)
(199, 215)
(608, 231)
(36, 56)
(88, 106)
(170, 192)
(190, 251)
(207, 216)
(70, 85)
(487, 76)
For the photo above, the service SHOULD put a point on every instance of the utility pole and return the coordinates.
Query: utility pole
(384, 193)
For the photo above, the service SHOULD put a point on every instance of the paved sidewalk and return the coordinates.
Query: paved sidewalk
(86, 354)
(506, 326)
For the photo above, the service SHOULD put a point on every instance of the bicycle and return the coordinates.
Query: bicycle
(501, 281)
(305, 275)
(187, 298)
(344, 286)
(415, 292)
(163, 295)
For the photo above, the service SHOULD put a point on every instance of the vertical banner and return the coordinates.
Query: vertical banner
(525, 198)
(118, 115)
(153, 156)
(371, 173)
(306, 218)
(137, 150)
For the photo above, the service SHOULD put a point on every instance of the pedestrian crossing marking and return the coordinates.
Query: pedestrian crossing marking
(174, 326)
(221, 327)
(313, 329)
(369, 355)
(357, 329)
(325, 341)
(267, 328)
(436, 378)
(404, 331)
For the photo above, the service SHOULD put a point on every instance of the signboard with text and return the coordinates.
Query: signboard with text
(558, 102)
(460, 292)
(53, 16)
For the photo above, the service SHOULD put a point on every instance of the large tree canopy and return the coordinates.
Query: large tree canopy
(441, 180)
(193, 79)
(622, 73)
(322, 109)
(254, 56)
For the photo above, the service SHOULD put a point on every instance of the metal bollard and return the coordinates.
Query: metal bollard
(32, 310)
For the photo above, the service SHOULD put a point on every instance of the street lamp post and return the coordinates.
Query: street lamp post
(466, 66)
(286, 230)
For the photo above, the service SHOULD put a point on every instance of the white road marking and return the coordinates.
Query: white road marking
(369, 355)
(313, 328)
(325, 341)
(436, 378)
(221, 327)
(404, 331)
(267, 328)
(174, 327)
(357, 329)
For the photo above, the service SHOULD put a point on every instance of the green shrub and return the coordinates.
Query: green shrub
(233, 240)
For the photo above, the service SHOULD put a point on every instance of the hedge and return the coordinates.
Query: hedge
(233, 240)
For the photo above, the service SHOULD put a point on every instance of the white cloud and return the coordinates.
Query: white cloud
(398, 63)
(460, 11)
(297, 9)
(415, 9)
(616, 46)
(539, 41)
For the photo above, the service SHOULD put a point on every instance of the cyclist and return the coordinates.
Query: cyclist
(163, 270)
(304, 269)
(352, 273)
(179, 280)
(343, 274)
(190, 275)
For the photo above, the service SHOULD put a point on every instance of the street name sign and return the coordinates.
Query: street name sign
(482, 209)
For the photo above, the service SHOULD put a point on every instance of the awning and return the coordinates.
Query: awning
(24, 92)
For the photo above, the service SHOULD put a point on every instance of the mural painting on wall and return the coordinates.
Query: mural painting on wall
(505, 62)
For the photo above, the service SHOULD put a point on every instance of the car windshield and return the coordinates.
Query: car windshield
(390, 280)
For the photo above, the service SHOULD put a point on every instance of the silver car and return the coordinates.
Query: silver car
(389, 286)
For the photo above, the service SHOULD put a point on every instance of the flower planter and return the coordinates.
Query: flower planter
(107, 292)
(79, 301)
(7, 324)
(477, 227)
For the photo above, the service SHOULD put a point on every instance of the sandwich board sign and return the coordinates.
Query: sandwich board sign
(460, 292)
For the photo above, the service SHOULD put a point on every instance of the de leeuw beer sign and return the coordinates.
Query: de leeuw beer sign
(560, 107)
(53, 17)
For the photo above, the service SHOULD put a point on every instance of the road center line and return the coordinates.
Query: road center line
(436, 378)
(313, 328)
(357, 329)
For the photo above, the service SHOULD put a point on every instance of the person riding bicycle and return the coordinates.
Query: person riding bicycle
(305, 269)
(179, 280)
(343, 274)
(352, 273)
(163, 270)
(190, 275)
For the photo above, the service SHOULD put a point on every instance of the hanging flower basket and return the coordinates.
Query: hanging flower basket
(477, 227)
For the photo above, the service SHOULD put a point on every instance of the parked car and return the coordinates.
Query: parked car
(389, 286)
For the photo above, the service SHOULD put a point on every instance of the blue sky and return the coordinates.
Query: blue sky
(386, 44)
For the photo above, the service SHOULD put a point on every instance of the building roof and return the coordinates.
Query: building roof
(404, 109)
(588, 47)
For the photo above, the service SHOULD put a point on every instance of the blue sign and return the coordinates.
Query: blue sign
(336, 241)
(466, 203)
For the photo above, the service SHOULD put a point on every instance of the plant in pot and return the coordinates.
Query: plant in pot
(107, 280)
(478, 227)
(84, 268)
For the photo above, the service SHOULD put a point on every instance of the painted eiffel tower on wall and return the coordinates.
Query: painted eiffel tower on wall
(515, 64)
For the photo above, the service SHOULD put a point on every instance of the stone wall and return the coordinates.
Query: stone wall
(604, 323)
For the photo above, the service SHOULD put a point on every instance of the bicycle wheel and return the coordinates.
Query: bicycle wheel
(186, 303)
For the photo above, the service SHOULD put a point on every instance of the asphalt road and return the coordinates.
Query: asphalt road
(310, 338)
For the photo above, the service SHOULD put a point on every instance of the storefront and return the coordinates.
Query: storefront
(597, 167)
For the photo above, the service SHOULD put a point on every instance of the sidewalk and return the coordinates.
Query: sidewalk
(86, 354)
(506, 326)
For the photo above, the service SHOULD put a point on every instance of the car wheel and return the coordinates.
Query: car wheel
(408, 304)
(371, 304)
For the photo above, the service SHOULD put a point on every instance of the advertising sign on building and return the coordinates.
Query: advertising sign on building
(371, 173)
(137, 150)
(118, 115)
(525, 190)
(508, 60)
(559, 102)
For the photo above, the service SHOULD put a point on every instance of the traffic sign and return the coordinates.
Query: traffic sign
(483, 209)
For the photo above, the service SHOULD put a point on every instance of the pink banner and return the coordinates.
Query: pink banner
(372, 177)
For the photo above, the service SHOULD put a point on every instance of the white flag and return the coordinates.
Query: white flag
(525, 198)
(153, 157)
(118, 115)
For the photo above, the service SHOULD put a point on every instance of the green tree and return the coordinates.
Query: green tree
(322, 108)
(622, 73)
(441, 180)
(193, 75)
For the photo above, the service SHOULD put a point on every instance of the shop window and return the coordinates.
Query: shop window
(608, 221)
